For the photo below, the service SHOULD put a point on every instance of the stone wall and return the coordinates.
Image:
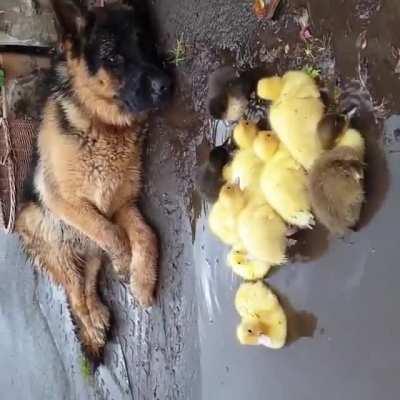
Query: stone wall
(27, 22)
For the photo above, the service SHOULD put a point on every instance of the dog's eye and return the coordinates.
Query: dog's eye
(140, 38)
(114, 60)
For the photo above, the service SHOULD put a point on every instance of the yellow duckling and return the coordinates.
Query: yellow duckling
(245, 167)
(244, 134)
(353, 139)
(262, 232)
(265, 145)
(224, 214)
(263, 319)
(337, 183)
(247, 268)
(245, 220)
(295, 113)
(284, 182)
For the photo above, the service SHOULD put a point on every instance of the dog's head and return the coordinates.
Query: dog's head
(112, 59)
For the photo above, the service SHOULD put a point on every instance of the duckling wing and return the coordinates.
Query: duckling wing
(285, 186)
(223, 223)
(263, 233)
(295, 122)
(245, 168)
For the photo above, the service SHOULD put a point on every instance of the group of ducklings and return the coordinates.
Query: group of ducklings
(309, 166)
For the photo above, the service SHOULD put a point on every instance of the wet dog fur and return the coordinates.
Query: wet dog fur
(88, 174)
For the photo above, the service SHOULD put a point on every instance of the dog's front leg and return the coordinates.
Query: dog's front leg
(144, 247)
(87, 219)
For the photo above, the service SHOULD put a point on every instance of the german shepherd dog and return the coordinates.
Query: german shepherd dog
(88, 174)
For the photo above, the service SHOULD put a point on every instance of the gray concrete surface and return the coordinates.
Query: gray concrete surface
(341, 295)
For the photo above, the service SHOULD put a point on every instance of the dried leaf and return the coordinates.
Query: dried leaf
(304, 18)
(265, 8)
(397, 68)
(305, 34)
(361, 41)
(304, 21)
(260, 9)
(396, 54)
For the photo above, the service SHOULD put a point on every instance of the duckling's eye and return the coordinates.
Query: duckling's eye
(249, 331)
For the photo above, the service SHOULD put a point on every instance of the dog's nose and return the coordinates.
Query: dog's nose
(160, 86)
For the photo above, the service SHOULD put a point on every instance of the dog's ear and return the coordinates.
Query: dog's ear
(130, 3)
(71, 16)
(140, 7)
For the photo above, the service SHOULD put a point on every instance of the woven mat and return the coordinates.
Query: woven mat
(16, 148)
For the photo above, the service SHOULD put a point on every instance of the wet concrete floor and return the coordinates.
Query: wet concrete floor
(341, 295)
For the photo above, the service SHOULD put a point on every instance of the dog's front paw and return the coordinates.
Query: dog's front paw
(121, 266)
(122, 257)
(144, 292)
(100, 316)
(93, 341)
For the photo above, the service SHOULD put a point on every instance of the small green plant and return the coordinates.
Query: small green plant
(316, 48)
(178, 55)
(86, 368)
(337, 92)
(308, 50)
(311, 71)
(2, 78)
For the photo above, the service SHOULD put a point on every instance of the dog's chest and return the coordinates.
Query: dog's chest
(107, 157)
(110, 165)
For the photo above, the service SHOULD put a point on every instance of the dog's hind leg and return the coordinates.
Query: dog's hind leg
(64, 266)
(144, 247)
(99, 313)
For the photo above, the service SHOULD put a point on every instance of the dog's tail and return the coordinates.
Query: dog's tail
(336, 188)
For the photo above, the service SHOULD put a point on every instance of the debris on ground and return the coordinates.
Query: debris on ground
(396, 55)
(265, 8)
(304, 21)
(179, 54)
(361, 41)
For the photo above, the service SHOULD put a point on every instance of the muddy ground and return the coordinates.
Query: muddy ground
(341, 295)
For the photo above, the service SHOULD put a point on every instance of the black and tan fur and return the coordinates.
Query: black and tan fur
(88, 176)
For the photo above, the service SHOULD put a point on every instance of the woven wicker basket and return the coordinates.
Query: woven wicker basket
(16, 148)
